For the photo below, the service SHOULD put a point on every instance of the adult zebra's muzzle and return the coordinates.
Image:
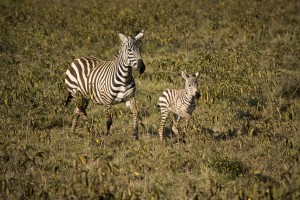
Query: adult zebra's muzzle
(141, 66)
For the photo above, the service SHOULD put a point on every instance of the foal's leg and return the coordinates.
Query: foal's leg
(164, 116)
(133, 107)
(175, 125)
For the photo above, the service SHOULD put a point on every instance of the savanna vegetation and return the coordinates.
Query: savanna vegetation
(242, 143)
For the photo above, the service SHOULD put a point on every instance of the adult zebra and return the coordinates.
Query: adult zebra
(106, 82)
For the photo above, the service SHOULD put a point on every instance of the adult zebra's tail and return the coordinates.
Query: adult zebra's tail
(68, 100)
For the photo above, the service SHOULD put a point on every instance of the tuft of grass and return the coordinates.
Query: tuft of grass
(230, 168)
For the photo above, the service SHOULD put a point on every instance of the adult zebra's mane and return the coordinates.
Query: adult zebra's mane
(131, 42)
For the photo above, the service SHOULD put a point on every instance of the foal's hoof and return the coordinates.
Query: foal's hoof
(135, 137)
(179, 141)
(182, 140)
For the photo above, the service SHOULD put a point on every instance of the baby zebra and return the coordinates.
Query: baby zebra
(180, 102)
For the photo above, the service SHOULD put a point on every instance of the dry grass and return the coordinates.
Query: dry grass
(243, 141)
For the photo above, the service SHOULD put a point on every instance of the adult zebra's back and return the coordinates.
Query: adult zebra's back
(106, 82)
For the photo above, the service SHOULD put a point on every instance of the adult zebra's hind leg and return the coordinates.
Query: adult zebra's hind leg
(81, 104)
(108, 118)
(133, 107)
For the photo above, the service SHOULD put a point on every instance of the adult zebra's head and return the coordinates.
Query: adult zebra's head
(131, 50)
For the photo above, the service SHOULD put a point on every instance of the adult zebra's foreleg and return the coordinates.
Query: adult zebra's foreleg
(133, 107)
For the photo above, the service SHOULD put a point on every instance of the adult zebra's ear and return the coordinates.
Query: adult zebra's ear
(140, 35)
(123, 37)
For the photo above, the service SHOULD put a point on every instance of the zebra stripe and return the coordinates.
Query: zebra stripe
(179, 102)
(106, 82)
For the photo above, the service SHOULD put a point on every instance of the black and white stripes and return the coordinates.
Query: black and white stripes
(180, 102)
(106, 82)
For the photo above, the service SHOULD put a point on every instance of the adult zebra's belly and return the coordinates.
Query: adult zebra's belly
(114, 97)
(123, 96)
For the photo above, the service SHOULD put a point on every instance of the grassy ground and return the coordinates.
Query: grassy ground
(242, 143)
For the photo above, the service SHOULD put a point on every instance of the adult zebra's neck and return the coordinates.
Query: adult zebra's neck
(123, 69)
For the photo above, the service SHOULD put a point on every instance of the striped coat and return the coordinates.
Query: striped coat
(106, 82)
(179, 102)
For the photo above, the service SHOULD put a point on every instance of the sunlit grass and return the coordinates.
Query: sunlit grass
(242, 142)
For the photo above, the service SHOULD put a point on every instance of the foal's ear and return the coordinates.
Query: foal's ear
(184, 75)
(123, 37)
(140, 35)
(197, 75)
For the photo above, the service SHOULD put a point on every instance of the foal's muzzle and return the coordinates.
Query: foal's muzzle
(197, 95)
(141, 66)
